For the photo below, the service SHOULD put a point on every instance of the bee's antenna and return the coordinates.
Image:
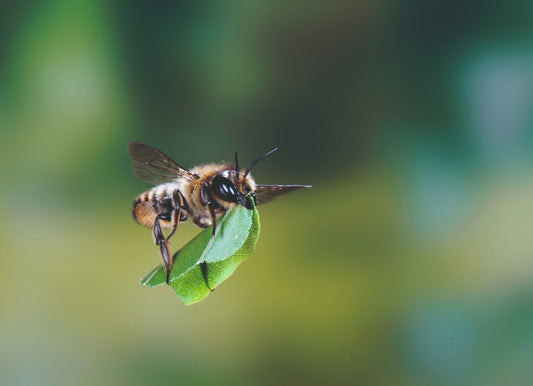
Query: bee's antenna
(259, 159)
(236, 165)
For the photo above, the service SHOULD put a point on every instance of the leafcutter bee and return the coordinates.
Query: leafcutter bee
(201, 194)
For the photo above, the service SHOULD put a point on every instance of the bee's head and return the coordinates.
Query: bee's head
(226, 187)
(229, 186)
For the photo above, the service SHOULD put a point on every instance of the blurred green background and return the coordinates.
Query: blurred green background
(410, 262)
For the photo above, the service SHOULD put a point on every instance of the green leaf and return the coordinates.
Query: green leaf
(235, 238)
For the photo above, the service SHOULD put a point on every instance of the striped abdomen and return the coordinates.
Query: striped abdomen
(158, 201)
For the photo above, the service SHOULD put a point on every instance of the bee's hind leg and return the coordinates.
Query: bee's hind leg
(162, 242)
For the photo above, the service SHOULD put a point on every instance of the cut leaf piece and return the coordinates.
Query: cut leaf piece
(235, 238)
(229, 237)
(191, 287)
(231, 233)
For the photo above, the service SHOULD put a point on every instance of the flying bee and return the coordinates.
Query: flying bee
(201, 194)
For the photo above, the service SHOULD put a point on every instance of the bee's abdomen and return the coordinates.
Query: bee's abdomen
(144, 211)
(153, 203)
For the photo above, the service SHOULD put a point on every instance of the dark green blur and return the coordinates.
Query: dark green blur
(409, 262)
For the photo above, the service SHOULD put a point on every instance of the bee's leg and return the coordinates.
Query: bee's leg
(204, 268)
(177, 202)
(162, 242)
(207, 200)
(213, 217)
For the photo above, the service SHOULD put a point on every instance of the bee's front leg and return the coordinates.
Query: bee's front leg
(213, 218)
(207, 200)
(162, 242)
(204, 269)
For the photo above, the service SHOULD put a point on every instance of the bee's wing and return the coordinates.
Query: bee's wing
(266, 193)
(152, 165)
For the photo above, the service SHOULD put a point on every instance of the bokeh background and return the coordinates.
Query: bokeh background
(410, 262)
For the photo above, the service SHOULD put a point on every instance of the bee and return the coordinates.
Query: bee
(201, 194)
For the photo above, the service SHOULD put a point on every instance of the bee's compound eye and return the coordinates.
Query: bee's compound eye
(224, 188)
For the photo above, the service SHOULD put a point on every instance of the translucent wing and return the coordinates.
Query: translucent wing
(152, 165)
(266, 193)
